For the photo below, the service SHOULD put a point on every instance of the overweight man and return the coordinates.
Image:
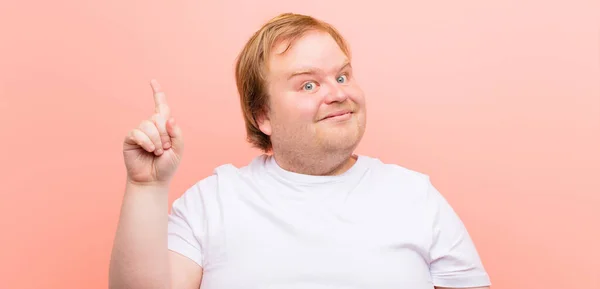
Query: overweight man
(306, 213)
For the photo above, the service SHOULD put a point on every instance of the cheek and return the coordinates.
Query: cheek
(356, 95)
(302, 106)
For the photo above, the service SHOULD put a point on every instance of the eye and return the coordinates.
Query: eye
(342, 79)
(309, 86)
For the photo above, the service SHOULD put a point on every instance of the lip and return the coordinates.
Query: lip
(338, 115)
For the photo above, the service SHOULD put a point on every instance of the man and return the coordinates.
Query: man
(308, 213)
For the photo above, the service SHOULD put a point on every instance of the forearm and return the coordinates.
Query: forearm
(140, 255)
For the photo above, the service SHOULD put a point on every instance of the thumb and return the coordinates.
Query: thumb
(174, 132)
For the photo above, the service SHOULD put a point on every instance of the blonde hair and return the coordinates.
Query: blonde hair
(252, 64)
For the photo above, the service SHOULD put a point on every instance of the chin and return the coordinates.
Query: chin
(340, 142)
(341, 136)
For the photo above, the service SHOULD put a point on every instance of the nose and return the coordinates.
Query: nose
(336, 93)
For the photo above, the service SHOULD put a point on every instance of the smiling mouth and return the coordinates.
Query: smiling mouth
(338, 116)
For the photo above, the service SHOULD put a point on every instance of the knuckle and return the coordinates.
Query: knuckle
(148, 127)
(145, 124)
(134, 133)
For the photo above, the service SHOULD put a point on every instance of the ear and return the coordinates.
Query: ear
(264, 122)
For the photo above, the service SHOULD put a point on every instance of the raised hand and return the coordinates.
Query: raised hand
(152, 151)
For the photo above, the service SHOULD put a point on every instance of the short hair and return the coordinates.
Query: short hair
(252, 63)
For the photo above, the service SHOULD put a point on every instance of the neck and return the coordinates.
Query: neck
(318, 164)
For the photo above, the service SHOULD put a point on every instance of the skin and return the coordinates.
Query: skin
(309, 82)
(140, 258)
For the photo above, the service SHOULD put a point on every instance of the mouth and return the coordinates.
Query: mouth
(338, 115)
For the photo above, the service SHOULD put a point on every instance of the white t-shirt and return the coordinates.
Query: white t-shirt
(375, 226)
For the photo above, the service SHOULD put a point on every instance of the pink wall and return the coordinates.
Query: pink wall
(499, 102)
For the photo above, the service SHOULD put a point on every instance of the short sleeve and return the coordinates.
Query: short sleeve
(454, 260)
(186, 225)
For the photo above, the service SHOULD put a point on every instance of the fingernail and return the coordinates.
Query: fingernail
(159, 151)
(167, 145)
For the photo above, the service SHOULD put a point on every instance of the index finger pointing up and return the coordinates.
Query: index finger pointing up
(160, 99)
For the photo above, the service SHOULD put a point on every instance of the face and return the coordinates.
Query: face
(314, 101)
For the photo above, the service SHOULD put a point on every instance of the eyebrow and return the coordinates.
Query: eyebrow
(309, 71)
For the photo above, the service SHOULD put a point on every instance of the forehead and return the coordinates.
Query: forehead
(315, 49)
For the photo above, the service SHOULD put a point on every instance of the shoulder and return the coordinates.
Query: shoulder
(397, 175)
(390, 169)
(222, 176)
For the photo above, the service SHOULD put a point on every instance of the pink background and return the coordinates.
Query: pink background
(499, 101)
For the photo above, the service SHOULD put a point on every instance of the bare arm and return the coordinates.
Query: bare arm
(140, 257)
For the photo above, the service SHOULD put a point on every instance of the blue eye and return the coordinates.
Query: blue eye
(309, 86)
(342, 79)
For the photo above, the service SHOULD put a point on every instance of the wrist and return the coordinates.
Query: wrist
(154, 185)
